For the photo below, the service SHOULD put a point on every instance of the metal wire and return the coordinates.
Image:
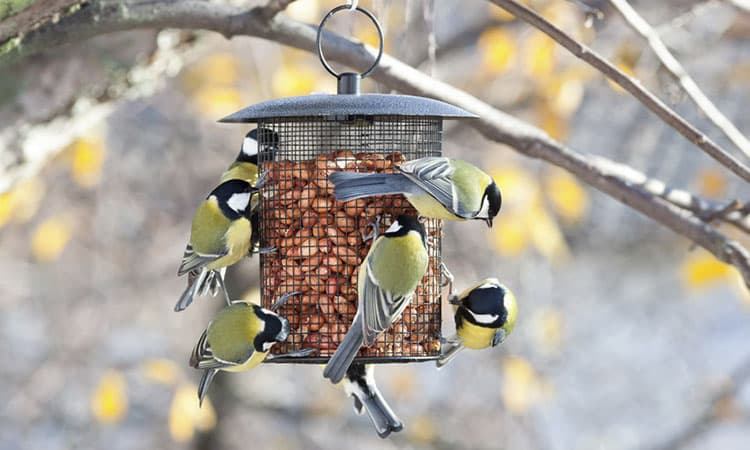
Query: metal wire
(319, 241)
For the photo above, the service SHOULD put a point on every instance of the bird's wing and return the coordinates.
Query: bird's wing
(203, 357)
(380, 307)
(434, 175)
(499, 337)
(192, 260)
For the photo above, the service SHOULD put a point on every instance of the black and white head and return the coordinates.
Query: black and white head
(274, 328)
(233, 197)
(484, 305)
(269, 139)
(405, 224)
(491, 203)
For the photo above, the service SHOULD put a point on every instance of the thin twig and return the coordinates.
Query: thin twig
(631, 85)
(493, 123)
(676, 69)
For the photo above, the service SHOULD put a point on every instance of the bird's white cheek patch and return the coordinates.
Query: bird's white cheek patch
(238, 202)
(267, 346)
(395, 226)
(250, 146)
(484, 318)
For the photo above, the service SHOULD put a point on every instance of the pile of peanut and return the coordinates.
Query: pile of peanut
(320, 245)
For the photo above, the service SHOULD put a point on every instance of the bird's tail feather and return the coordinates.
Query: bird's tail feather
(381, 415)
(351, 186)
(192, 288)
(345, 353)
(453, 347)
(206, 379)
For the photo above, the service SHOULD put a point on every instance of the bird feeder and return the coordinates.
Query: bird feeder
(320, 242)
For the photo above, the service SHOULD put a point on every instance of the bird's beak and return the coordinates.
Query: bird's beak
(489, 222)
(281, 337)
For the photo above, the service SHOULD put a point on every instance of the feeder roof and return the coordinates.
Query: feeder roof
(335, 106)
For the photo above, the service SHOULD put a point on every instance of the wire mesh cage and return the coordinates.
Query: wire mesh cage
(320, 242)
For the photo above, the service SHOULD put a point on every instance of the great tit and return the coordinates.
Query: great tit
(219, 237)
(238, 339)
(359, 384)
(386, 282)
(439, 188)
(485, 316)
(245, 167)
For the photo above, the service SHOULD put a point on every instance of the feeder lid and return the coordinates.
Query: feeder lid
(336, 107)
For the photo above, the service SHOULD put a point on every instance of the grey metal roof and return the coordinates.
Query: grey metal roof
(326, 105)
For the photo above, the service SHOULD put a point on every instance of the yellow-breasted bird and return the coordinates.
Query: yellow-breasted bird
(359, 384)
(238, 339)
(387, 279)
(245, 166)
(485, 316)
(439, 188)
(219, 237)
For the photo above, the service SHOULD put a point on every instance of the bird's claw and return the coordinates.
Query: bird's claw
(294, 354)
(283, 299)
(448, 278)
(262, 179)
(375, 229)
(266, 250)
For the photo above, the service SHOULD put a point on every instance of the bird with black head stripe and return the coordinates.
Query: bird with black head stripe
(485, 316)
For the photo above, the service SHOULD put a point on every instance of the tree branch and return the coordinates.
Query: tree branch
(673, 66)
(631, 85)
(101, 17)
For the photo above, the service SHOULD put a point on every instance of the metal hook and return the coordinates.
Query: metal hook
(352, 6)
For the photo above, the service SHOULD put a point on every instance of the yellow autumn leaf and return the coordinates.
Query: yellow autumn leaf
(547, 325)
(218, 69)
(520, 189)
(217, 101)
(87, 159)
(28, 196)
(563, 94)
(521, 388)
(50, 238)
(499, 13)
(291, 80)
(186, 416)
(539, 55)
(568, 198)
(422, 429)
(161, 371)
(712, 183)
(509, 236)
(546, 235)
(554, 124)
(498, 48)
(7, 207)
(702, 269)
(109, 401)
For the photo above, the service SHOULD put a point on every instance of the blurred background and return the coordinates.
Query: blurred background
(628, 337)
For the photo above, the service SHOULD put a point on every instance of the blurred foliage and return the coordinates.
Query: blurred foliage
(109, 401)
(522, 386)
(86, 160)
(186, 416)
(20, 204)
(50, 238)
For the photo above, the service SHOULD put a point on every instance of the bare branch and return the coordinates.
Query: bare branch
(631, 85)
(639, 24)
(494, 124)
(696, 427)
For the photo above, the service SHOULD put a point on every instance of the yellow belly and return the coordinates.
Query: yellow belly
(254, 360)
(237, 240)
(427, 206)
(474, 337)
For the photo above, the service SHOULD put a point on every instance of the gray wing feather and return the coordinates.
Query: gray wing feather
(191, 260)
(381, 309)
(345, 353)
(350, 186)
(434, 175)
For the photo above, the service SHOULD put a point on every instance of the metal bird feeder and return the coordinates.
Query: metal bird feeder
(320, 242)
